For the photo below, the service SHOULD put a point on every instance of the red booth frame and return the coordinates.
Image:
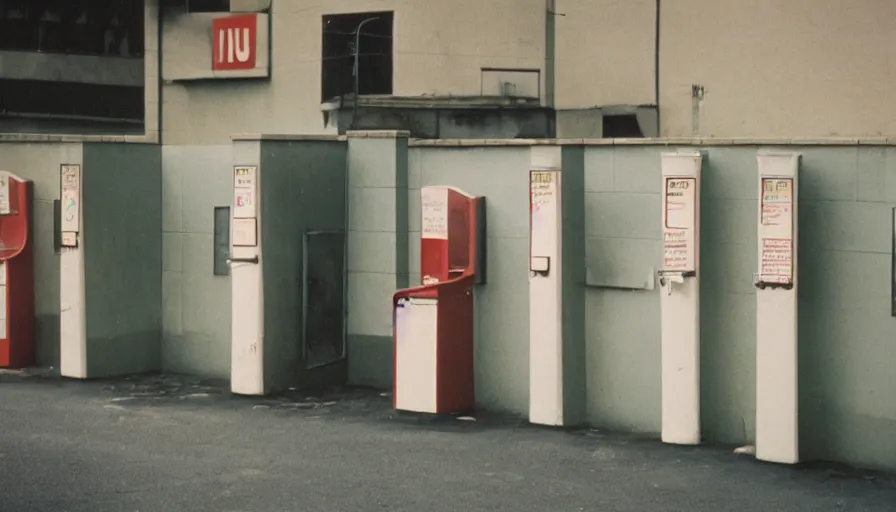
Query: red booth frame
(17, 349)
(455, 378)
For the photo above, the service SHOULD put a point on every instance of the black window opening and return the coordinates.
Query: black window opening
(81, 27)
(374, 57)
(71, 100)
(624, 126)
(208, 5)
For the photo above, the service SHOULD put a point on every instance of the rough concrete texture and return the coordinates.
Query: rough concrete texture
(171, 443)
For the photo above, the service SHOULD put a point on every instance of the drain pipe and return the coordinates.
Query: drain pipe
(357, 69)
(656, 69)
(550, 52)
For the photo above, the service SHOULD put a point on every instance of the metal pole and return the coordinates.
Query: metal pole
(357, 70)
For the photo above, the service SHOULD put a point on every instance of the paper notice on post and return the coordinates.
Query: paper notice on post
(434, 210)
(679, 247)
(5, 206)
(71, 199)
(776, 231)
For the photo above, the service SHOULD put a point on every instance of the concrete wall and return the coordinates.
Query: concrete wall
(40, 163)
(196, 303)
(605, 53)
(85, 69)
(439, 48)
(845, 324)
(802, 68)
(810, 68)
(847, 192)
(378, 181)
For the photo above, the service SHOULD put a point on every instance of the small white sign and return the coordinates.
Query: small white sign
(69, 239)
(245, 233)
(71, 198)
(678, 227)
(434, 212)
(245, 192)
(5, 206)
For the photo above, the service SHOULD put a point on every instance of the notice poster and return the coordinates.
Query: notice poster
(5, 206)
(245, 192)
(70, 223)
(542, 189)
(434, 210)
(680, 215)
(776, 231)
(544, 219)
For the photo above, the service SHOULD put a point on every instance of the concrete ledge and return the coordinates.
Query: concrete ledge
(250, 137)
(379, 134)
(672, 141)
(49, 137)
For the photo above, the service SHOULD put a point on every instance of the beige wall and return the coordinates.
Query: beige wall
(796, 68)
(605, 53)
(440, 48)
(801, 68)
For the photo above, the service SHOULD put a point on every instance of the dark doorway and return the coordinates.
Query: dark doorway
(375, 56)
(323, 298)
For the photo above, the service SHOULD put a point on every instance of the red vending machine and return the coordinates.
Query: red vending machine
(433, 323)
(16, 273)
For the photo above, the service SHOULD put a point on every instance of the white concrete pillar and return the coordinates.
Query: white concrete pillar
(72, 285)
(247, 300)
(680, 297)
(556, 286)
(777, 425)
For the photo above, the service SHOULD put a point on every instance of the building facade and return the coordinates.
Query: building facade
(621, 80)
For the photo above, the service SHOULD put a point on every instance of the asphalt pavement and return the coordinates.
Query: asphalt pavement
(169, 443)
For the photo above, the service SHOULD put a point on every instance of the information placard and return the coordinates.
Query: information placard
(776, 231)
(544, 216)
(70, 223)
(680, 215)
(5, 203)
(245, 192)
(434, 206)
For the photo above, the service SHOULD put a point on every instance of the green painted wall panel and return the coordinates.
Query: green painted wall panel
(196, 303)
(122, 217)
(303, 189)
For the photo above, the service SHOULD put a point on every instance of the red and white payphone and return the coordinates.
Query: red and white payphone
(433, 323)
(16, 273)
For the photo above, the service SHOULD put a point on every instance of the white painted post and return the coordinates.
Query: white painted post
(247, 299)
(72, 286)
(777, 426)
(545, 288)
(680, 298)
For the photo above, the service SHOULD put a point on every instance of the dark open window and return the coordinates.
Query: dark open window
(208, 5)
(86, 27)
(375, 55)
(622, 126)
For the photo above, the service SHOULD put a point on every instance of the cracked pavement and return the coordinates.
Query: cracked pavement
(183, 444)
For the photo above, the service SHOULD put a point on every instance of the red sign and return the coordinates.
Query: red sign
(234, 42)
